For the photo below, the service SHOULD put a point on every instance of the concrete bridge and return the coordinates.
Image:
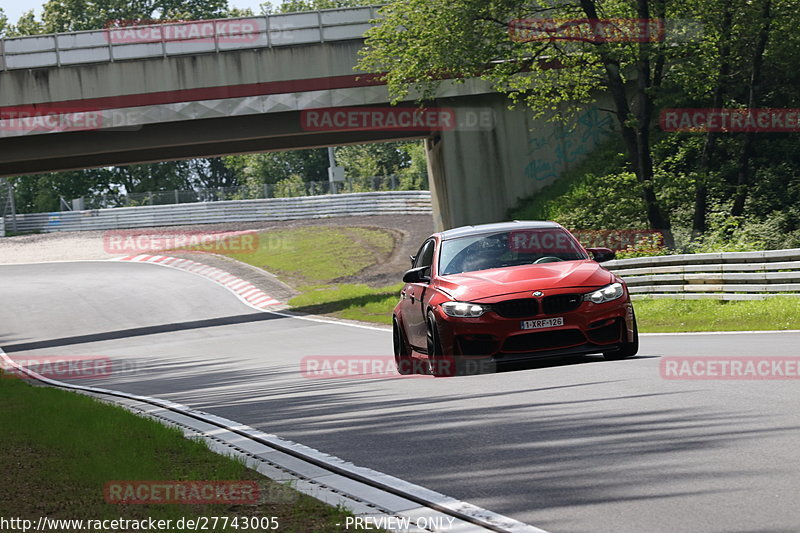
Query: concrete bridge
(139, 94)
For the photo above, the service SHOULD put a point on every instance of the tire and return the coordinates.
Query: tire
(402, 353)
(439, 365)
(628, 349)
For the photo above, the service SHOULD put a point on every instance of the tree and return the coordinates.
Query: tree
(76, 15)
(754, 94)
(421, 42)
(374, 159)
(3, 23)
(293, 6)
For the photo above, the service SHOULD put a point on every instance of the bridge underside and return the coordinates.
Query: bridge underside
(173, 140)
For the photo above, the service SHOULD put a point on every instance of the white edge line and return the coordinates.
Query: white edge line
(753, 332)
(247, 303)
(496, 519)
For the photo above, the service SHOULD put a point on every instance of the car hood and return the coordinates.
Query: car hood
(474, 286)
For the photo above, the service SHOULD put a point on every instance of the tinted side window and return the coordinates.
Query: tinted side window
(425, 255)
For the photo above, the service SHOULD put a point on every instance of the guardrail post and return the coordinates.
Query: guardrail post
(163, 43)
(177, 198)
(58, 54)
(13, 206)
(216, 41)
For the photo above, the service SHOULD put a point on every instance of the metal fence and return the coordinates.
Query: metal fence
(123, 41)
(267, 190)
(356, 204)
(720, 276)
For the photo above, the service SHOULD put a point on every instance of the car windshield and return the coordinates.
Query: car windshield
(508, 248)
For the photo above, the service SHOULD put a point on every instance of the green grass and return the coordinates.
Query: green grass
(355, 302)
(312, 259)
(60, 448)
(318, 254)
(666, 316)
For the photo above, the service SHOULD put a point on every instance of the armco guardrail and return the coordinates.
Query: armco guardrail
(721, 276)
(185, 37)
(368, 203)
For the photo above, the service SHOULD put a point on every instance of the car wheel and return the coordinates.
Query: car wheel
(402, 353)
(628, 349)
(439, 365)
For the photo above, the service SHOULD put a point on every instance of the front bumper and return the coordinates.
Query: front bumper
(589, 328)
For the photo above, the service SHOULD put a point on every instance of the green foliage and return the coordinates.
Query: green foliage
(546, 204)
(293, 6)
(645, 247)
(3, 23)
(76, 15)
(375, 159)
(290, 187)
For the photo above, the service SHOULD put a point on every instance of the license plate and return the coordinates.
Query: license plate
(544, 323)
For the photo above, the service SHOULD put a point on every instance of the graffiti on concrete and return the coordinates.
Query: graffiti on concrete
(551, 154)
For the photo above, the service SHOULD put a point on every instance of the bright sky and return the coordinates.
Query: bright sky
(15, 8)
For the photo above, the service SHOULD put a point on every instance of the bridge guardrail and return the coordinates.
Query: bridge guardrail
(355, 204)
(185, 37)
(721, 276)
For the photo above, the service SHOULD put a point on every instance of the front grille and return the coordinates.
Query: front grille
(520, 308)
(528, 342)
(561, 303)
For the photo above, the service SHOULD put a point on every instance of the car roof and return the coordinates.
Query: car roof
(466, 231)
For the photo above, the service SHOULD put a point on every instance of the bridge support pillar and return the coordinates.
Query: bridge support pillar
(494, 156)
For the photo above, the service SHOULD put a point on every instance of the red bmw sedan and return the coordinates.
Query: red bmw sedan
(506, 292)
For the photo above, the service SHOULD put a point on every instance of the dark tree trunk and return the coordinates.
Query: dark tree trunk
(743, 176)
(636, 138)
(699, 225)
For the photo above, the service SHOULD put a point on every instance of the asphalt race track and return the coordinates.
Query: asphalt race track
(571, 446)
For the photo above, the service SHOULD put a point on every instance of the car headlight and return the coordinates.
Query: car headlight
(464, 309)
(606, 294)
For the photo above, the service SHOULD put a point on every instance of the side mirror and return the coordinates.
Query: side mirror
(602, 254)
(417, 275)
